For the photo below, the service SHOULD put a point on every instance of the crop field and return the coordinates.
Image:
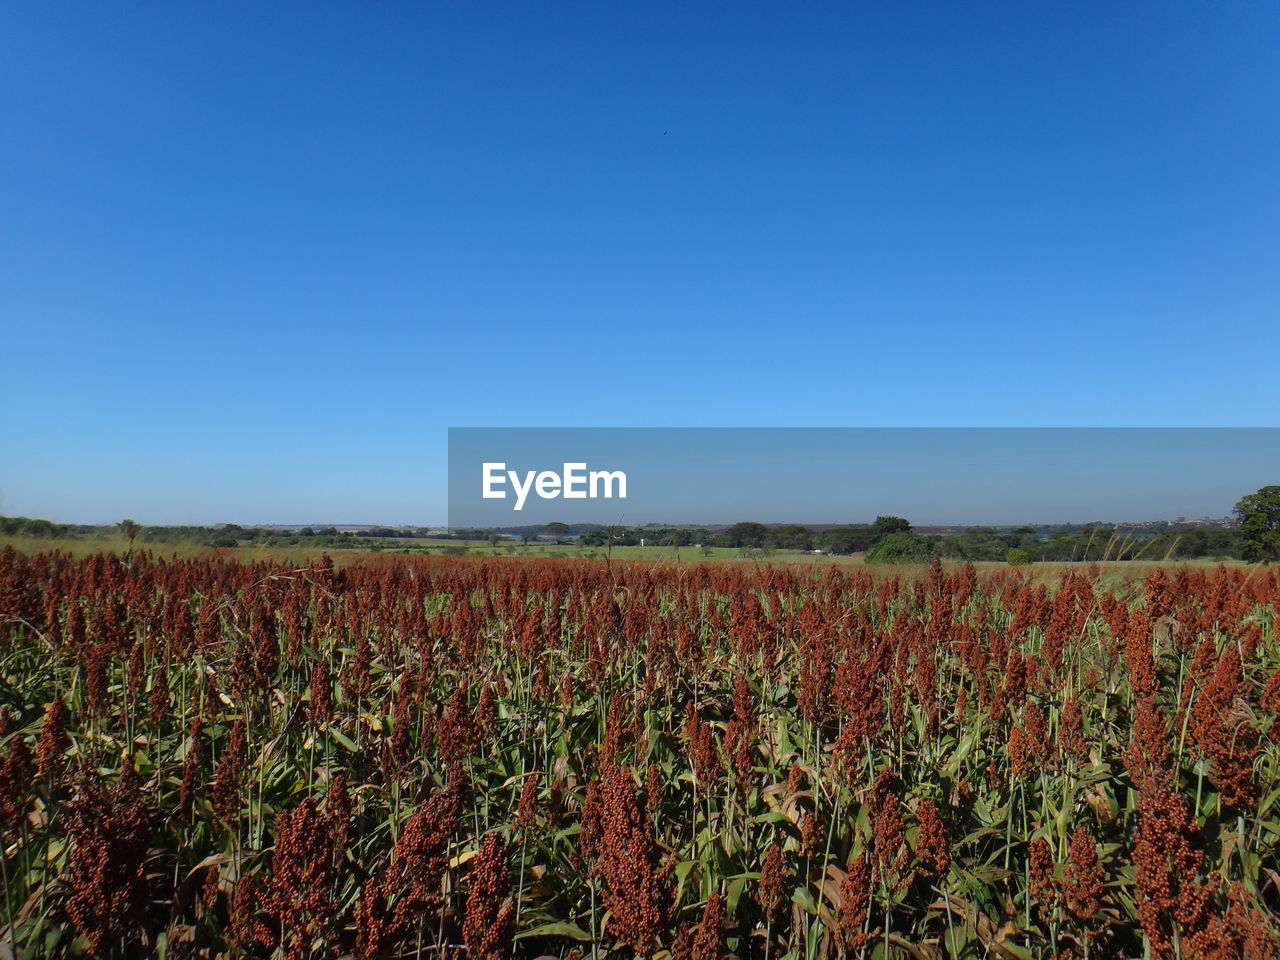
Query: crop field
(459, 757)
(299, 553)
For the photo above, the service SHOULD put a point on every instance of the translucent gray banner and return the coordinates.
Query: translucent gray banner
(515, 476)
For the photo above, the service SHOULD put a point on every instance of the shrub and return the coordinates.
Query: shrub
(901, 548)
(1018, 557)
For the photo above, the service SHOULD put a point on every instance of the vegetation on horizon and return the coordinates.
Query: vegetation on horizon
(1054, 543)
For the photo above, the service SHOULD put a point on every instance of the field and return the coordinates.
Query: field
(302, 553)
(406, 547)
(210, 755)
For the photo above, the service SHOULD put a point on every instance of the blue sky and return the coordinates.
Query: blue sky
(257, 258)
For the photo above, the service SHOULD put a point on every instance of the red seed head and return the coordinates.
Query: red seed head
(489, 924)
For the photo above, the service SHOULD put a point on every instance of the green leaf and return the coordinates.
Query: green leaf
(1017, 950)
(560, 929)
(343, 739)
(773, 816)
(804, 897)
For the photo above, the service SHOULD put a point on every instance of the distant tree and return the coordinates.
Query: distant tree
(791, 536)
(1259, 515)
(979, 543)
(902, 548)
(557, 529)
(845, 540)
(1178, 544)
(529, 535)
(887, 525)
(746, 535)
(1018, 557)
(493, 539)
(44, 529)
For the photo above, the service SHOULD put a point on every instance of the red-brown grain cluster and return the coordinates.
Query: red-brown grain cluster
(450, 757)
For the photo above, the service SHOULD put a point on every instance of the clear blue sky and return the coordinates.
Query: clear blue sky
(256, 258)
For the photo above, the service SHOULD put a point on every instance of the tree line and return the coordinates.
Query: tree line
(222, 535)
(894, 540)
(887, 539)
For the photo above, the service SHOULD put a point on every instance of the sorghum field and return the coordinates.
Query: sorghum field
(437, 757)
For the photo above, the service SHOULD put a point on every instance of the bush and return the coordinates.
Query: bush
(1018, 557)
(901, 548)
